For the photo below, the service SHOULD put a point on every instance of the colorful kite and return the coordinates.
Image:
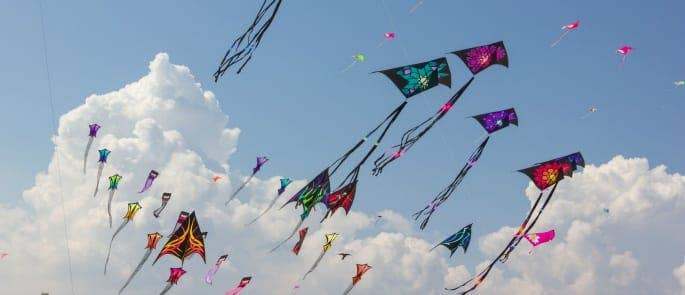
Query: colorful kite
(482, 57)
(91, 136)
(355, 58)
(544, 175)
(243, 283)
(165, 199)
(152, 240)
(148, 182)
(625, 50)
(388, 36)
(239, 51)
(342, 198)
(298, 245)
(491, 122)
(104, 153)
(185, 241)
(329, 241)
(181, 218)
(679, 83)
(209, 277)
(462, 238)
(537, 239)
(567, 28)
(113, 186)
(343, 255)
(175, 275)
(260, 162)
(284, 183)
(130, 213)
(361, 269)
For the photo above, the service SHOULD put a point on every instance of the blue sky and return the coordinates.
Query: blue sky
(293, 104)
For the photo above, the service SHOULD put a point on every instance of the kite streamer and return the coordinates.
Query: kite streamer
(152, 240)
(92, 133)
(326, 246)
(104, 153)
(130, 213)
(298, 245)
(165, 199)
(243, 283)
(113, 186)
(148, 182)
(361, 269)
(284, 183)
(209, 277)
(260, 162)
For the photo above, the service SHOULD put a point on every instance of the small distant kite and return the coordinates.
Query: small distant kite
(216, 178)
(133, 208)
(606, 210)
(329, 241)
(165, 199)
(113, 186)
(175, 275)
(152, 240)
(284, 183)
(567, 28)
(679, 83)
(355, 58)
(378, 218)
(590, 111)
(260, 162)
(243, 283)
(625, 50)
(3, 255)
(388, 36)
(298, 245)
(462, 239)
(92, 133)
(343, 255)
(148, 182)
(537, 239)
(104, 153)
(212, 271)
(361, 269)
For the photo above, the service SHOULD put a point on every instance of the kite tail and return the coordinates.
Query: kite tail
(416, 6)
(166, 289)
(381, 44)
(265, 210)
(158, 211)
(137, 269)
(316, 263)
(349, 288)
(560, 38)
(210, 274)
(112, 240)
(348, 67)
(97, 184)
(109, 206)
(239, 189)
(85, 156)
(289, 236)
(235, 291)
(146, 186)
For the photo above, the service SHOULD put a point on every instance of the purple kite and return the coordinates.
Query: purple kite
(260, 162)
(148, 182)
(91, 136)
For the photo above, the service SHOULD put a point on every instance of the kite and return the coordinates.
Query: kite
(91, 136)
(130, 213)
(152, 240)
(378, 218)
(307, 197)
(329, 241)
(239, 51)
(187, 239)
(165, 199)
(567, 28)
(148, 182)
(104, 153)
(243, 283)
(624, 50)
(284, 183)
(343, 255)
(462, 238)
(537, 239)
(342, 198)
(113, 186)
(388, 36)
(355, 58)
(361, 269)
(544, 175)
(216, 178)
(3, 255)
(491, 122)
(209, 277)
(476, 59)
(181, 218)
(606, 210)
(679, 83)
(298, 245)
(260, 162)
(175, 275)
(590, 111)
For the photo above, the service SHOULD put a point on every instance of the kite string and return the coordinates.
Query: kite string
(57, 153)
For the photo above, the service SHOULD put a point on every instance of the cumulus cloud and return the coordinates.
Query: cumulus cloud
(165, 121)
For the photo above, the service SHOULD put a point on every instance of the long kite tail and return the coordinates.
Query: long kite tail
(97, 184)
(560, 38)
(85, 156)
(289, 236)
(166, 289)
(349, 288)
(416, 6)
(112, 240)
(135, 271)
(348, 67)
(239, 189)
(264, 212)
(316, 263)
(235, 291)
(210, 274)
(109, 207)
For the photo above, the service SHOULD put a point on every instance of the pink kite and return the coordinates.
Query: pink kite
(388, 36)
(567, 28)
(243, 283)
(537, 239)
(625, 50)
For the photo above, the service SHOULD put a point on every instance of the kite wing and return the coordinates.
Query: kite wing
(361, 269)
(185, 241)
(480, 58)
(342, 198)
(462, 238)
(495, 121)
(414, 79)
(298, 245)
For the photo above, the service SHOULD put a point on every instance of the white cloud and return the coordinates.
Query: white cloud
(679, 273)
(167, 122)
